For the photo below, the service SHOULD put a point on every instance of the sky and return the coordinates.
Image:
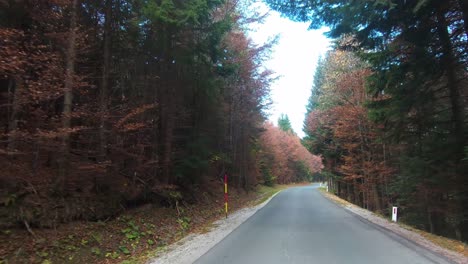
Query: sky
(294, 59)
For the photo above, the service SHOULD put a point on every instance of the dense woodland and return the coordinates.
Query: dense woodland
(388, 110)
(285, 159)
(107, 105)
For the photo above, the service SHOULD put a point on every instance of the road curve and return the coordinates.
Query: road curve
(299, 225)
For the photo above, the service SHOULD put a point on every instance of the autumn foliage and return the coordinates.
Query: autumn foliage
(348, 131)
(287, 154)
(375, 157)
(111, 104)
(405, 144)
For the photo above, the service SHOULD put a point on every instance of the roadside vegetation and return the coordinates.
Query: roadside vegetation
(388, 107)
(119, 120)
(447, 243)
(133, 237)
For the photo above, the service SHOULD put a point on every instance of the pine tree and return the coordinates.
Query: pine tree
(124, 101)
(285, 124)
(418, 63)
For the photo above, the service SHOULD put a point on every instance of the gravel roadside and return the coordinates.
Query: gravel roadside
(193, 246)
(397, 229)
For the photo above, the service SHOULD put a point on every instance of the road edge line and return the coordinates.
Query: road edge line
(171, 253)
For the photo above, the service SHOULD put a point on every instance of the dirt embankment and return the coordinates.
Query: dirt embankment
(136, 235)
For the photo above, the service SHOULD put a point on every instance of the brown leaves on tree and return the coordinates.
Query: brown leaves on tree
(361, 162)
(117, 99)
(286, 149)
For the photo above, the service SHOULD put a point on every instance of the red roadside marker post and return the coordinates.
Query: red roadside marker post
(226, 194)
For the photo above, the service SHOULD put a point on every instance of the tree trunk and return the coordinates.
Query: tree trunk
(375, 193)
(70, 55)
(365, 200)
(168, 118)
(348, 193)
(357, 196)
(448, 62)
(13, 118)
(458, 233)
(167, 99)
(430, 221)
(103, 102)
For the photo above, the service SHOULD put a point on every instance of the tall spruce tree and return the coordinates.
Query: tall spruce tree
(285, 124)
(417, 52)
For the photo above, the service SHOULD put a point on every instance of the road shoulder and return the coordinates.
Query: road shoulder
(401, 230)
(193, 246)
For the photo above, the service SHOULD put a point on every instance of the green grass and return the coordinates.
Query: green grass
(265, 192)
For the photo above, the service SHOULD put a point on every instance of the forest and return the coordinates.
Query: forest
(107, 106)
(110, 105)
(388, 107)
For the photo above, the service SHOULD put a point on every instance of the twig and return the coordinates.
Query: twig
(177, 207)
(29, 228)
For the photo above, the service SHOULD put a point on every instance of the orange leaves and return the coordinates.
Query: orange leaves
(12, 57)
(51, 134)
(133, 126)
(286, 149)
(340, 125)
(135, 112)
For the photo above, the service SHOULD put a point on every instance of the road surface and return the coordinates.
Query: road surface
(299, 225)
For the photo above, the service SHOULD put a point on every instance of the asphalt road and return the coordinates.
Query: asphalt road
(299, 225)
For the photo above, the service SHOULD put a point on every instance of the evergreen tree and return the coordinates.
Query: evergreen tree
(417, 52)
(142, 100)
(316, 90)
(285, 124)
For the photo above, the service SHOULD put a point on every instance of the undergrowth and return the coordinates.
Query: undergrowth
(133, 237)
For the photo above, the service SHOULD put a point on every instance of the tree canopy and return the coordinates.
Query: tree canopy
(285, 124)
(414, 57)
(111, 104)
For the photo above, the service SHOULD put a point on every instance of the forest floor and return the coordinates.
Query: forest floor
(452, 249)
(133, 237)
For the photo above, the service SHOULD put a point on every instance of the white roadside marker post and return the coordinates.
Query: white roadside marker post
(394, 213)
